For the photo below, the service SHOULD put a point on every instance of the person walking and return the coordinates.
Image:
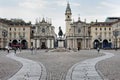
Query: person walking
(98, 49)
(15, 50)
(8, 50)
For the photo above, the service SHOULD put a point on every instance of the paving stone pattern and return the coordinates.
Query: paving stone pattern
(30, 70)
(8, 67)
(57, 64)
(86, 70)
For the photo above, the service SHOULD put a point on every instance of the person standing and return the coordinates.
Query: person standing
(8, 50)
(15, 50)
(98, 49)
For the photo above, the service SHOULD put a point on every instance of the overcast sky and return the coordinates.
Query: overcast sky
(30, 10)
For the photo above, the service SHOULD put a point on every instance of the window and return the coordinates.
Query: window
(23, 29)
(10, 29)
(100, 28)
(105, 29)
(109, 28)
(68, 16)
(15, 29)
(109, 39)
(95, 28)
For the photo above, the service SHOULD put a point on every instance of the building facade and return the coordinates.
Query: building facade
(44, 35)
(18, 33)
(77, 33)
(102, 35)
(3, 33)
(116, 34)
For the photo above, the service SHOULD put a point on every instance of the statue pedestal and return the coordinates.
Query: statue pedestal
(60, 41)
(60, 44)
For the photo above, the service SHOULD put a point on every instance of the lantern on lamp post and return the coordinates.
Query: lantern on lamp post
(4, 34)
(115, 33)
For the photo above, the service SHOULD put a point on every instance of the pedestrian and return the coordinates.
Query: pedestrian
(98, 49)
(78, 48)
(8, 50)
(15, 50)
(31, 50)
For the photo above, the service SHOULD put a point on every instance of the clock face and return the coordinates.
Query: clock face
(43, 30)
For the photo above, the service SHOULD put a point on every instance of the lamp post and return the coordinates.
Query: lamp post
(4, 34)
(89, 36)
(115, 33)
(99, 38)
(21, 37)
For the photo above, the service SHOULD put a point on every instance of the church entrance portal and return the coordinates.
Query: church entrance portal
(79, 45)
(43, 46)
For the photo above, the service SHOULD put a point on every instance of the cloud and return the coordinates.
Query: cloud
(33, 4)
(64, 3)
(113, 8)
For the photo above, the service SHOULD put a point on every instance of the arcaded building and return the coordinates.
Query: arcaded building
(19, 33)
(3, 34)
(102, 34)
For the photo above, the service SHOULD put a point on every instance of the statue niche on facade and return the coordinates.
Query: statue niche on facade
(60, 33)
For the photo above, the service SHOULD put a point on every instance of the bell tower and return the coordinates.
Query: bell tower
(68, 15)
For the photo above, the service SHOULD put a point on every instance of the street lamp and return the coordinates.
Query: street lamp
(21, 37)
(99, 38)
(4, 34)
(89, 36)
(115, 33)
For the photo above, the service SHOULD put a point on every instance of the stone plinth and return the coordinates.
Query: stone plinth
(60, 43)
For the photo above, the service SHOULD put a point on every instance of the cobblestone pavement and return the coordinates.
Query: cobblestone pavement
(110, 68)
(86, 70)
(57, 64)
(30, 70)
(8, 67)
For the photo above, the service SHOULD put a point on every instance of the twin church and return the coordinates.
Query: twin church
(77, 34)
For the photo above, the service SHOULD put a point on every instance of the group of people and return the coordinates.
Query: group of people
(8, 50)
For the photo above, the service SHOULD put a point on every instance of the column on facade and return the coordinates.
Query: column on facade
(75, 43)
(85, 43)
(39, 43)
(89, 46)
(52, 46)
(34, 43)
(48, 43)
(71, 43)
(68, 43)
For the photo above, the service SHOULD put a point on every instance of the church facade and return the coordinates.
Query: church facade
(77, 33)
(43, 35)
